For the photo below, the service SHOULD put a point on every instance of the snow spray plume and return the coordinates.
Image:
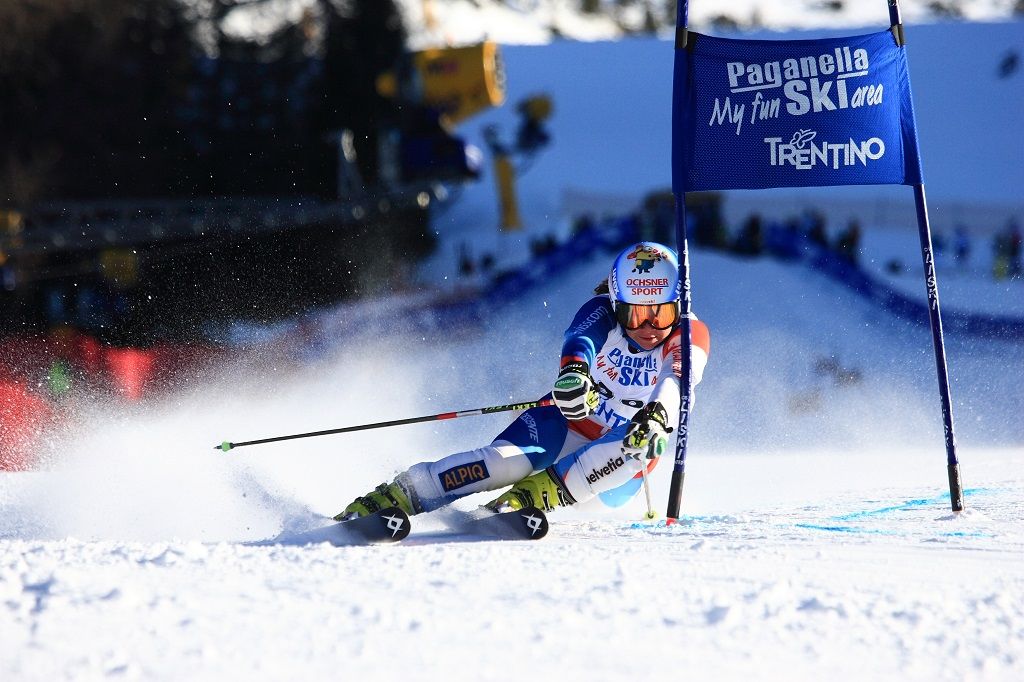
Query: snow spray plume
(803, 398)
(142, 472)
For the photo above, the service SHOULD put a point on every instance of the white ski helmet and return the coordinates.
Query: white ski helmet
(646, 273)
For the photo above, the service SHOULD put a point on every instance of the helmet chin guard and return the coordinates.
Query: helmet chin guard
(646, 273)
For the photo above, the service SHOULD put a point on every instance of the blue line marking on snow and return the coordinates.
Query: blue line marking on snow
(837, 529)
(906, 506)
(883, 531)
(647, 525)
(846, 529)
(864, 514)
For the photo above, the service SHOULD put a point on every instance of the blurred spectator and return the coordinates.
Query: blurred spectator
(465, 261)
(1009, 64)
(487, 263)
(1006, 251)
(750, 241)
(938, 243)
(719, 235)
(703, 220)
(1000, 255)
(543, 245)
(583, 223)
(630, 224)
(645, 226)
(848, 244)
(816, 229)
(653, 225)
(783, 241)
(961, 246)
(1013, 249)
(658, 219)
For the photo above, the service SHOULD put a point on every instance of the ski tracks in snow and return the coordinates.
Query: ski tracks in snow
(883, 586)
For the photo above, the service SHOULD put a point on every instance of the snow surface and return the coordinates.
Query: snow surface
(817, 540)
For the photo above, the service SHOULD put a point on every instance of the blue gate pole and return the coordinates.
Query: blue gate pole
(675, 492)
(956, 491)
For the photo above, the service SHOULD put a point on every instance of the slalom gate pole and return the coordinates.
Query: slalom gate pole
(675, 491)
(544, 402)
(956, 491)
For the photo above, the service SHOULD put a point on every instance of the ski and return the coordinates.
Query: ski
(387, 525)
(528, 523)
(392, 525)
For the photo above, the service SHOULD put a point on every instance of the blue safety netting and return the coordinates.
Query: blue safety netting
(796, 247)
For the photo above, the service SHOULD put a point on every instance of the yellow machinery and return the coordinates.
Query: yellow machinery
(10, 233)
(457, 81)
(460, 82)
(10, 223)
(530, 138)
(505, 176)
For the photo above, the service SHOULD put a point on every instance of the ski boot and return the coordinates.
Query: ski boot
(395, 494)
(542, 490)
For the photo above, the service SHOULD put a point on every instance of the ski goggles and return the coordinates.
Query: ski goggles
(659, 315)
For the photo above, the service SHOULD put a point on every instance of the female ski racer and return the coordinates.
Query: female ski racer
(616, 394)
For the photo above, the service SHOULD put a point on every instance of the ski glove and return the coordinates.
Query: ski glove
(574, 391)
(647, 435)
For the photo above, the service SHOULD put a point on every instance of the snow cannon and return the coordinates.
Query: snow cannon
(459, 82)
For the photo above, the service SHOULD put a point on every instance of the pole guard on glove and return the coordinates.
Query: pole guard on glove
(574, 391)
(647, 435)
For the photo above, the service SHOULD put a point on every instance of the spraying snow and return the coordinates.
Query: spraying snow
(817, 539)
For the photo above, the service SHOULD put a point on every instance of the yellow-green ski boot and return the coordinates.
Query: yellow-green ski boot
(383, 496)
(541, 490)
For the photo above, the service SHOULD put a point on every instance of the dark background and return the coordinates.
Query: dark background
(129, 98)
(124, 116)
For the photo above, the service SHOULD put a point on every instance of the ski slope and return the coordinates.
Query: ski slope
(611, 133)
(817, 542)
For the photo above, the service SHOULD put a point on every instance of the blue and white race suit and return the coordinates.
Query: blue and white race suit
(586, 454)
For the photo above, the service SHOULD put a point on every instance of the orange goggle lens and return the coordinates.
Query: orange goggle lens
(659, 315)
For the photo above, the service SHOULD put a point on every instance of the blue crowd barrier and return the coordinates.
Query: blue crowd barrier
(793, 246)
(783, 244)
(476, 307)
(513, 284)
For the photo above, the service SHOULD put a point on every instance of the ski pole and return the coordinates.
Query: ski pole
(650, 514)
(544, 402)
